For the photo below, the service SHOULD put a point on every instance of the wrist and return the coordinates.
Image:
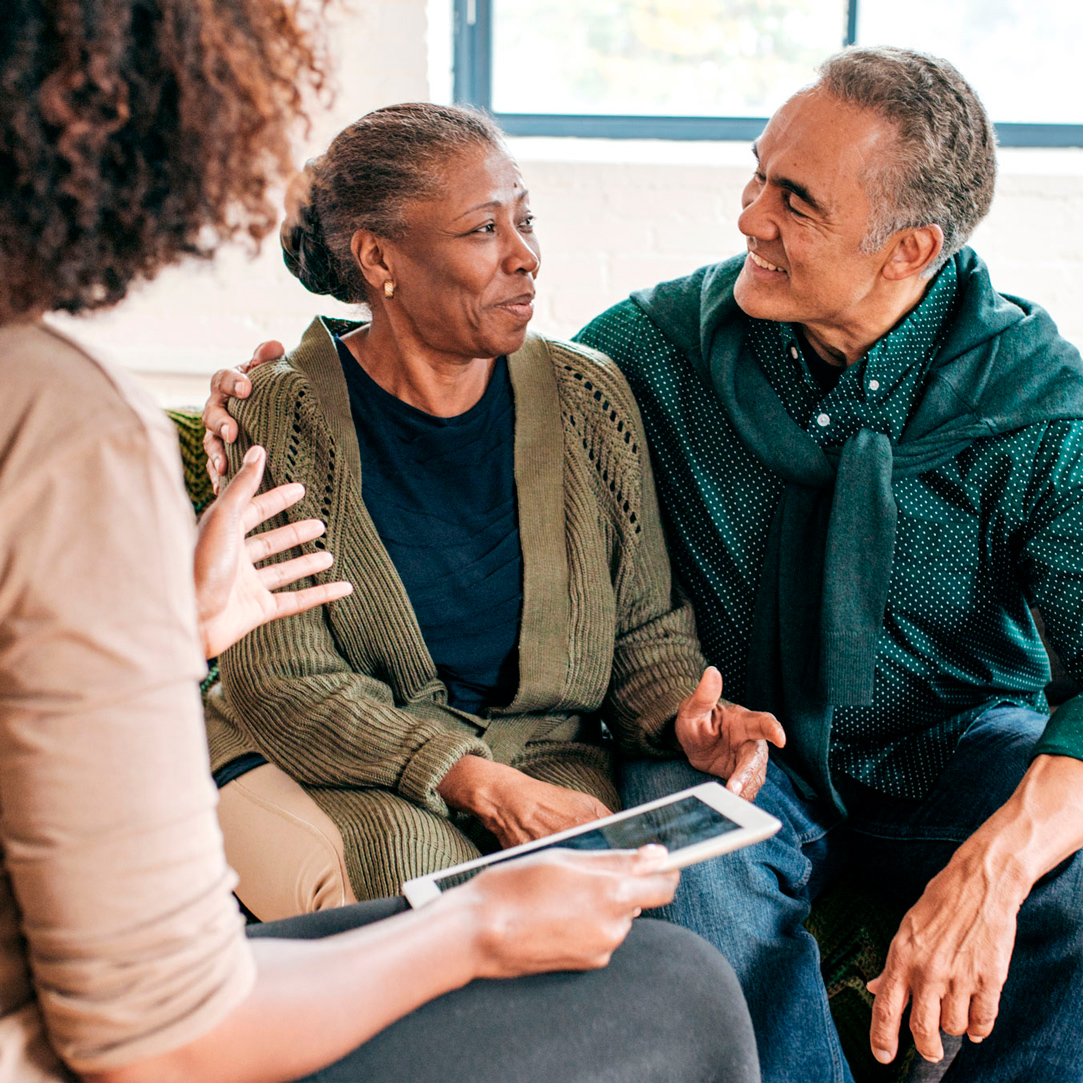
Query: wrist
(471, 786)
(478, 926)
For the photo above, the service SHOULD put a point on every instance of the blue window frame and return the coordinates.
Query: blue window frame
(473, 83)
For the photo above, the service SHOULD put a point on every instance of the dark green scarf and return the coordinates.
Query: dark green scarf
(827, 568)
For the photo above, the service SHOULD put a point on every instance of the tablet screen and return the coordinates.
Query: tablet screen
(676, 825)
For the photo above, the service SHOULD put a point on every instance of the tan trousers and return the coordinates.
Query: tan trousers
(285, 850)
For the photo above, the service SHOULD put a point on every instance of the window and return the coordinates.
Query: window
(715, 69)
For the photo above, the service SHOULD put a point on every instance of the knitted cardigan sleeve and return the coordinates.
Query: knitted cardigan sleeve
(657, 660)
(287, 685)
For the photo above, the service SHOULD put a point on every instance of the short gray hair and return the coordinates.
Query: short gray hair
(944, 169)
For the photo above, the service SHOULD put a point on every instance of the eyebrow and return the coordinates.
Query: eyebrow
(492, 203)
(798, 189)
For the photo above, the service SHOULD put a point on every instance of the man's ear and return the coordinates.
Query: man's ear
(912, 251)
(371, 256)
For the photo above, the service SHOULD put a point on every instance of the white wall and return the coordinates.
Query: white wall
(612, 216)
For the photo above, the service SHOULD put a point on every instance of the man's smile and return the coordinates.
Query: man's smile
(759, 261)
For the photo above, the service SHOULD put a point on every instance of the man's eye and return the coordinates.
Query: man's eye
(792, 209)
(527, 223)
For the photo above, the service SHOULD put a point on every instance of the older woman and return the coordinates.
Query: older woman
(132, 132)
(490, 495)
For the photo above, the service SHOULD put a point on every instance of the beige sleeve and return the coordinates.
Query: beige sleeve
(108, 829)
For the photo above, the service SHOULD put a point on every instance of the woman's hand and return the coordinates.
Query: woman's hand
(233, 596)
(561, 909)
(221, 429)
(725, 739)
(513, 806)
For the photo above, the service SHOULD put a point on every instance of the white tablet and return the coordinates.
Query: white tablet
(692, 825)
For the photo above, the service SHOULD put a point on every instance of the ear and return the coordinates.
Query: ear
(912, 251)
(371, 255)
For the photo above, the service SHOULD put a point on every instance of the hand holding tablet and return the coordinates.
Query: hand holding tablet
(693, 825)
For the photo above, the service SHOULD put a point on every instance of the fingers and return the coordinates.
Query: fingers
(925, 1025)
(747, 777)
(276, 576)
(269, 504)
(292, 602)
(705, 697)
(237, 495)
(984, 1006)
(892, 996)
(765, 727)
(225, 384)
(265, 351)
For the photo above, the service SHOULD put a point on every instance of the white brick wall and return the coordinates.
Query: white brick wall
(612, 217)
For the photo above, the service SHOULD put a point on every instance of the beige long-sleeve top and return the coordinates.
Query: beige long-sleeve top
(119, 938)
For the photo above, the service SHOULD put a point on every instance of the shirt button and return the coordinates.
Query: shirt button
(874, 385)
(823, 421)
(793, 352)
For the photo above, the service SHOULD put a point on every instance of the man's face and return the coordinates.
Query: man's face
(805, 214)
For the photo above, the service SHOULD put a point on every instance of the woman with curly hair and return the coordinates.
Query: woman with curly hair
(133, 132)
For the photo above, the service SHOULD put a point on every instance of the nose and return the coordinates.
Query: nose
(523, 255)
(756, 218)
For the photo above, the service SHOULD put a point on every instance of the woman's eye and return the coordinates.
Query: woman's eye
(489, 227)
(527, 223)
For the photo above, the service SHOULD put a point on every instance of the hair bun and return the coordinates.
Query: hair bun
(304, 250)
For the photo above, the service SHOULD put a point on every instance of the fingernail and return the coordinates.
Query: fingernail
(882, 1055)
(976, 1041)
(653, 849)
(252, 454)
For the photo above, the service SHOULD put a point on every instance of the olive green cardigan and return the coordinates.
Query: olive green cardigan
(348, 697)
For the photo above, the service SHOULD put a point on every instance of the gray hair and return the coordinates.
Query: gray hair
(368, 175)
(944, 168)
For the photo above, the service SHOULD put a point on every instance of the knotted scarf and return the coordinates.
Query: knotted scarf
(827, 567)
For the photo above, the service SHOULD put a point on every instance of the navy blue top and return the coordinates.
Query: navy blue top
(441, 491)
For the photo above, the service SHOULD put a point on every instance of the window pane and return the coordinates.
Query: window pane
(658, 57)
(1021, 56)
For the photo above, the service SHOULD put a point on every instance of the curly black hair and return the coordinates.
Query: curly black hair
(134, 132)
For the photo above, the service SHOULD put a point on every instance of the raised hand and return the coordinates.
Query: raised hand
(233, 596)
(725, 739)
(221, 429)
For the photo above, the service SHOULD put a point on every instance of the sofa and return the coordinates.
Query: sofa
(853, 922)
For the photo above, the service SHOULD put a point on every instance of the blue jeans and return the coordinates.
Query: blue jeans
(752, 905)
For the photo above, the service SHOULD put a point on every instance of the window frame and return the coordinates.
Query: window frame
(472, 85)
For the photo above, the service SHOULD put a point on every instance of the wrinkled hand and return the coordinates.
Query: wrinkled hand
(513, 806)
(562, 909)
(950, 958)
(221, 429)
(233, 596)
(725, 739)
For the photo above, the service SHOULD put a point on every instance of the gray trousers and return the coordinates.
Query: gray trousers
(667, 1009)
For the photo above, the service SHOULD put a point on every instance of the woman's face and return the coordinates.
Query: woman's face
(464, 271)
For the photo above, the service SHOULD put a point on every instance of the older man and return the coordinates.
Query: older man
(871, 465)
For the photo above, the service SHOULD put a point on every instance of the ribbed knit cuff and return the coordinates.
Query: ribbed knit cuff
(1063, 735)
(431, 762)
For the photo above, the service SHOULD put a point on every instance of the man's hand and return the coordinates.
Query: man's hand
(724, 739)
(233, 596)
(221, 429)
(513, 806)
(951, 954)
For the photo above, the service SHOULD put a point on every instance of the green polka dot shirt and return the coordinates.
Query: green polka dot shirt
(997, 529)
